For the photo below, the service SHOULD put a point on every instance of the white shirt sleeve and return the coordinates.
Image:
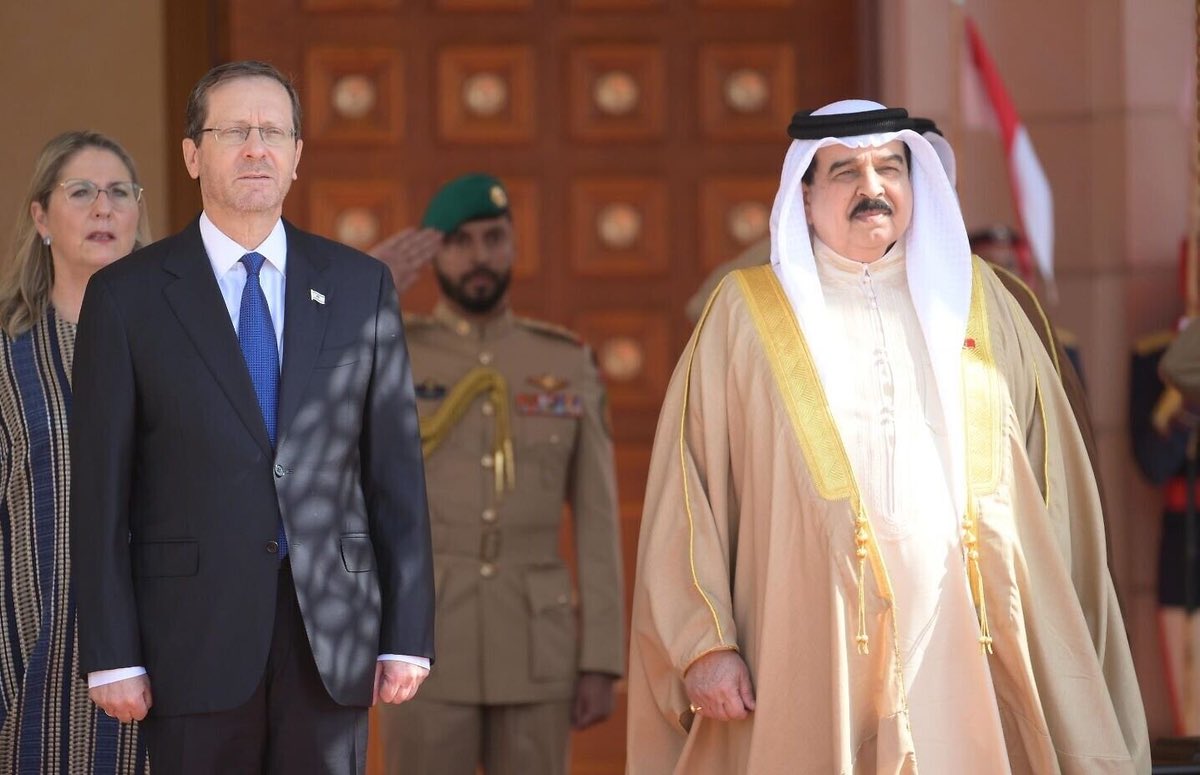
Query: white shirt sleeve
(418, 661)
(102, 677)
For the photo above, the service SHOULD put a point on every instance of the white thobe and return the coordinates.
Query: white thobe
(892, 425)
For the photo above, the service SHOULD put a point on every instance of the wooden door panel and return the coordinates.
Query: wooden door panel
(358, 212)
(735, 212)
(617, 93)
(354, 95)
(641, 141)
(486, 94)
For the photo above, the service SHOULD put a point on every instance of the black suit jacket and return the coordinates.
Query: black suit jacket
(176, 492)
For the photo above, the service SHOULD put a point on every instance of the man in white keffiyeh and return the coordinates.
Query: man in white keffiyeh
(871, 539)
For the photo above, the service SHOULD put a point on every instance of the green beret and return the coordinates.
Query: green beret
(466, 199)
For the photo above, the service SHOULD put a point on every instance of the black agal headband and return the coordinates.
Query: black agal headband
(806, 126)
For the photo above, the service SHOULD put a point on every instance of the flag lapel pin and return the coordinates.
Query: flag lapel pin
(316, 296)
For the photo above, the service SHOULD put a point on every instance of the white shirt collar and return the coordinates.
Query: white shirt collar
(224, 253)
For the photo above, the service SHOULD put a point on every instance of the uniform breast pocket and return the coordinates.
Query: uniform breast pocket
(547, 445)
(551, 624)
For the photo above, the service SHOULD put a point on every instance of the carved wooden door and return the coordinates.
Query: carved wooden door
(641, 141)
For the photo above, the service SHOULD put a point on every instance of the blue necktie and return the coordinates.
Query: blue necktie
(256, 335)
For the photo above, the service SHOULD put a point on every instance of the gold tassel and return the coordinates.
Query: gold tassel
(498, 470)
(971, 545)
(511, 468)
(437, 427)
(861, 538)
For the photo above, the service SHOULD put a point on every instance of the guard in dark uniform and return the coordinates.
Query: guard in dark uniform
(1162, 431)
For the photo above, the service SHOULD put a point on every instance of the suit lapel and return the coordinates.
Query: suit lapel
(303, 323)
(197, 302)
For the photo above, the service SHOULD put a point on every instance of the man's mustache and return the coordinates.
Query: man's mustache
(871, 206)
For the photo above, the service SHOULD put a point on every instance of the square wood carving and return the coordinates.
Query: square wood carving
(618, 227)
(735, 213)
(358, 213)
(617, 93)
(747, 92)
(485, 94)
(632, 351)
(355, 95)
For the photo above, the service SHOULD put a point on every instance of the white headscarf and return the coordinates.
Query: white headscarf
(938, 261)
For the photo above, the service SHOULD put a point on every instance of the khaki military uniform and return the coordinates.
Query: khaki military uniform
(512, 633)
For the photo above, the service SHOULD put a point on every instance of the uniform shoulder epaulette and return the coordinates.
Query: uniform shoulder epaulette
(417, 320)
(551, 329)
(1151, 342)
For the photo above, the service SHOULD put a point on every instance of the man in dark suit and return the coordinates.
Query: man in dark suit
(250, 535)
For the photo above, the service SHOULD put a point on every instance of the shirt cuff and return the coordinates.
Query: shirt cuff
(418, 661)
(102, 677)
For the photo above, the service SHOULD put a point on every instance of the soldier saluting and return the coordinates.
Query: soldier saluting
(512, 418)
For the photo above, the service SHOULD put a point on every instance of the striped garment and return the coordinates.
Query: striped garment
(47, 722)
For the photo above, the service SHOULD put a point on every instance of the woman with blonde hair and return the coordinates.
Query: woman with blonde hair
(82, 212)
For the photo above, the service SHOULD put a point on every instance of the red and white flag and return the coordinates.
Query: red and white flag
(987, 105)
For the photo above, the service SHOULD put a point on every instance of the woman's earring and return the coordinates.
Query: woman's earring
(46, 240)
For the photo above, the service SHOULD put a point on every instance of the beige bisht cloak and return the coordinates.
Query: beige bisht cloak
(750, 541)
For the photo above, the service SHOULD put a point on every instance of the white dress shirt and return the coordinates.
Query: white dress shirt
(225, 255)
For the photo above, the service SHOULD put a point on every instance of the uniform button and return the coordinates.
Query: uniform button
(462, 327)
(279, 471)
(554, 438)
(562, 599)
(487, 570)
(489, 515)
(488, 409)
(486, 461)
(485, 358)
(272, 547)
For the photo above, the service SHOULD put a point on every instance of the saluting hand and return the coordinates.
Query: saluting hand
(718, 686)
(396, 681)
(405, 252)
(125, 700)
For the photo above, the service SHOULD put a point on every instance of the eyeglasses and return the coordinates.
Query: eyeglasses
(83, 193)
(236, 135)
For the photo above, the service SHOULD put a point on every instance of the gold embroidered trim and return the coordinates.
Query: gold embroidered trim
(983, 426)
(812, 422)
(821, 443)
(437, 426)
(687, 499)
